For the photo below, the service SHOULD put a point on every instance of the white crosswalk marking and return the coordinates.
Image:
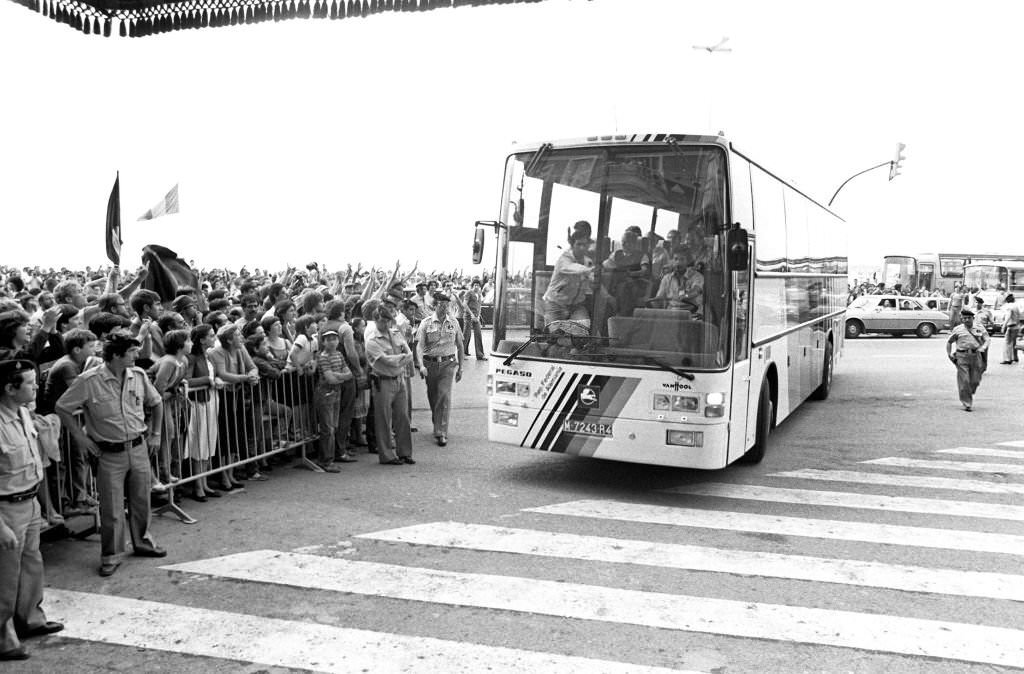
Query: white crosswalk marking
(298, 645)
(910, 636)
(853, 500)
(912, 481)
(741, 562)
(984, 451)
(959, 466)
(890, 534)
(1012, 443)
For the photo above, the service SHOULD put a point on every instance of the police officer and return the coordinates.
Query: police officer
(969, 356)
(438, 359)
(388, 355)
(115, 398)
(21, 473)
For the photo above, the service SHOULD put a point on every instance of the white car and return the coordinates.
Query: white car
(894, 315)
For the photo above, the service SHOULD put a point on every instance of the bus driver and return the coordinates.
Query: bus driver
(572, 283)
(683, 287)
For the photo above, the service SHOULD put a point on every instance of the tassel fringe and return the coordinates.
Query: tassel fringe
(97, 17)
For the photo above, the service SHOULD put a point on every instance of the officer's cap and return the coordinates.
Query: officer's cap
(441, 297)
(121, 338)
(9, 367)
(966, 312)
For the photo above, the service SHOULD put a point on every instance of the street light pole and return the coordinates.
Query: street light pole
(894, 169)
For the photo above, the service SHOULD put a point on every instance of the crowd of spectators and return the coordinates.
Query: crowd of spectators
(226, 331)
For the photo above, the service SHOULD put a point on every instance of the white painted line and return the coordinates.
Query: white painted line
(694, 558)
(912, 481)
(959, 466)
(889, 534)
(284, 643)
(1012, 443)
(751, 492)
(984, 451)
(908, 636)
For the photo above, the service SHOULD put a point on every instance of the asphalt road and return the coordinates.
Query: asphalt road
(489, 557)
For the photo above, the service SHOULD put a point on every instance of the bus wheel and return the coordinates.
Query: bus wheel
(821, 393)
(853, 329)
(764, 427)
(925, 330)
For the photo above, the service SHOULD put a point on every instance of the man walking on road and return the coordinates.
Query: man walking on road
(439, 359)
(1010, 329)
(969, 357)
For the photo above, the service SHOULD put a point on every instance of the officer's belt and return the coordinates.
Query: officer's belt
(967, 351)
(116, 447)
(20, 496)
(439, 359)
(385, 376)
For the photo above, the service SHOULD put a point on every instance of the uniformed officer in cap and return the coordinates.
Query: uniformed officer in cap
(439, 360)
(115, 398)
(970, 356)
(21, 475)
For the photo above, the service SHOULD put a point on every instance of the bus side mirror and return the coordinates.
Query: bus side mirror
(737, 249)
(478, 246)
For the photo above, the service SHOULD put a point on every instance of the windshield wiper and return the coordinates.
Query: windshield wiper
(665, 366)
(536, 337)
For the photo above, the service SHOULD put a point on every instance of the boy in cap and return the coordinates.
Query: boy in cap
(334, 373)
(970, 356)
(115, 398)
(21, 475)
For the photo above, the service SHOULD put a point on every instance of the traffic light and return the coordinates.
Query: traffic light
(896, 164)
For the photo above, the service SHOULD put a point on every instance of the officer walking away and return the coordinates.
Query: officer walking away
(115, 398)
(439, 360)
(970, 356)
(388, 355)
(1011, 329)
(21, 475)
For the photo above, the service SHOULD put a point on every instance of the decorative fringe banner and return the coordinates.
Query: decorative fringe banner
(139, 18)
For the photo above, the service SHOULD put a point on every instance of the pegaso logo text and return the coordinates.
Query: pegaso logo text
(590, 396)
(513, 373)
(678, 386)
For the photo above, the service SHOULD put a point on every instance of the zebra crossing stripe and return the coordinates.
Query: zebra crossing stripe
(912, 481)
(751, 492)
(1012, 443)
(874, 632)
(984, 451)
(868, 532)
(694, 558)
(297, 645)
(960, 466)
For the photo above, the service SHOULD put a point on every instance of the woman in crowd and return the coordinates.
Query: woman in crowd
(359, 417)
(278, 345)
(168, 373)
(235, 431)
(202, 405)
(277, 417)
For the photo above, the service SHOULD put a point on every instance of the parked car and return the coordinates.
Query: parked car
(894, 315)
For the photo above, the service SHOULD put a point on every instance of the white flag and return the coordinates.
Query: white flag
(169, 204)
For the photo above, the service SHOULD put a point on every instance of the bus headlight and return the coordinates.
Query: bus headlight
(523, 390)
(684, 438)
(684, 404)
(505, 418)
(490, 385)
(714, 405)
(662, 402)
(503, 387)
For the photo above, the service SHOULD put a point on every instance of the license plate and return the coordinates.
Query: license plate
(587, 428)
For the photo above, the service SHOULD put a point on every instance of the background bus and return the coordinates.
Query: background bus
(994, 280)
(933, 271)
(612, 363)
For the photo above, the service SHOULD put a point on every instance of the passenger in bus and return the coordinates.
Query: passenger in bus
(571, 289)
(683, 286)
(625, 276)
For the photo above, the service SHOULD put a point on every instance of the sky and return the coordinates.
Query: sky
(371, 140)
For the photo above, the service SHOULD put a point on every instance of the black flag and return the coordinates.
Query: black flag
(114, 222)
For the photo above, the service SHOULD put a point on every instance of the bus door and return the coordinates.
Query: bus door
(743, 417)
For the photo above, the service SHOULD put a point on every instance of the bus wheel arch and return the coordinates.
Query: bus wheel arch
(766, 406)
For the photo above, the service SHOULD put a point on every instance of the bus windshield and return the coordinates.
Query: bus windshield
(615, 256)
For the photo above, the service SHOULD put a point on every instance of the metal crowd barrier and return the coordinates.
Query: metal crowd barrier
(207, 431)
(69, 491)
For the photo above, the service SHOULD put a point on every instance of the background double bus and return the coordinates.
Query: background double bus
(784, 328)
(934, 271)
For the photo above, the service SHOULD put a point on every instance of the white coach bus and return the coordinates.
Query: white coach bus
(707, 304)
